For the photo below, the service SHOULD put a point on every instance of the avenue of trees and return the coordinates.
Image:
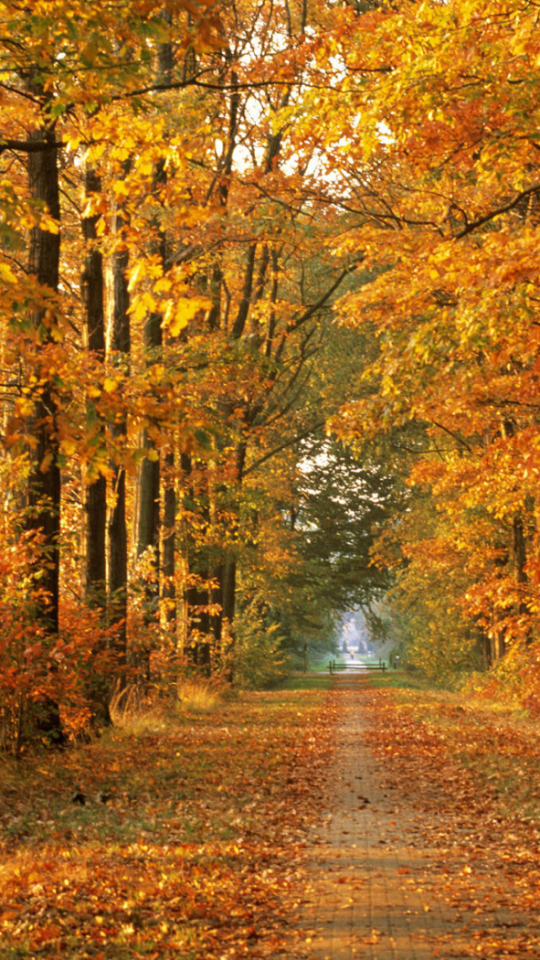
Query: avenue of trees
(269, 287)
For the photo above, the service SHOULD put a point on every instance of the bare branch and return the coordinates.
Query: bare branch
(504, 208)
(283, 446)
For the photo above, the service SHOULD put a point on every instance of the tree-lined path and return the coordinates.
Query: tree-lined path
(413, 860)
(290, 824)
(269, 344)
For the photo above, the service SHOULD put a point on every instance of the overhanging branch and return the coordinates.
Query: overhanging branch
(29, 146)
(283, 446)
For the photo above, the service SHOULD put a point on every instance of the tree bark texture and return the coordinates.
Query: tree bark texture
(118, 558)
(45, 481)
(96, 492)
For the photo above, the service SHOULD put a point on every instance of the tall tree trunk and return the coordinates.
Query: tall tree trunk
(169, 541)
(148, 533)
(228, 571)
(149, 526)
(44, 484)
(520, 560)
(198, 626)
(98, 682)
(45, 481)
(96, 492)
(165, 70)
(118, 557)
(519, 543)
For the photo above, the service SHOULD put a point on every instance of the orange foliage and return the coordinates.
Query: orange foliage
(442, 172)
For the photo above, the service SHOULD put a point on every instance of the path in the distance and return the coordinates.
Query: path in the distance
(373, 887)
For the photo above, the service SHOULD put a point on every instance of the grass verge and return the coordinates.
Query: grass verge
(306, 681)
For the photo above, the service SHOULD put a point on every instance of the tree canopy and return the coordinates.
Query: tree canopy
(268, 291)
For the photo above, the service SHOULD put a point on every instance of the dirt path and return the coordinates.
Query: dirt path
(394, 875)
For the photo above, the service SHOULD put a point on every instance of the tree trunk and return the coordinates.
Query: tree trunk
(519, 544)
(169, 541)
(198, 626)
(44, 483)
(118, 564)
(96, 492)
(165, 71)
(149, 526)
(520, 559)
(92, 281)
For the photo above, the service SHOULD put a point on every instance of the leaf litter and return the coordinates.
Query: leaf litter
(195, 852)
(450, 761)
(200, 848)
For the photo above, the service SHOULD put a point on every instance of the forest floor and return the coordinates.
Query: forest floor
(362, 822)
(189, 842)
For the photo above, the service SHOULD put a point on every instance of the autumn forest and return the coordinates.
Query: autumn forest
(270, 289)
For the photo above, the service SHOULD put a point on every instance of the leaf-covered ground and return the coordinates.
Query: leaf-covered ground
(473, 776)
(192, 841)
(187, 844)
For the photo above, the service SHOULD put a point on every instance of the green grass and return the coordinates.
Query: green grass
(305, 681)
(319, 666)
(399, 680)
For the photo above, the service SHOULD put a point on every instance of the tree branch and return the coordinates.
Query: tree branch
(29, 146)
(304, 317)
(455, 436)
(504, 208)
(283, 446)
